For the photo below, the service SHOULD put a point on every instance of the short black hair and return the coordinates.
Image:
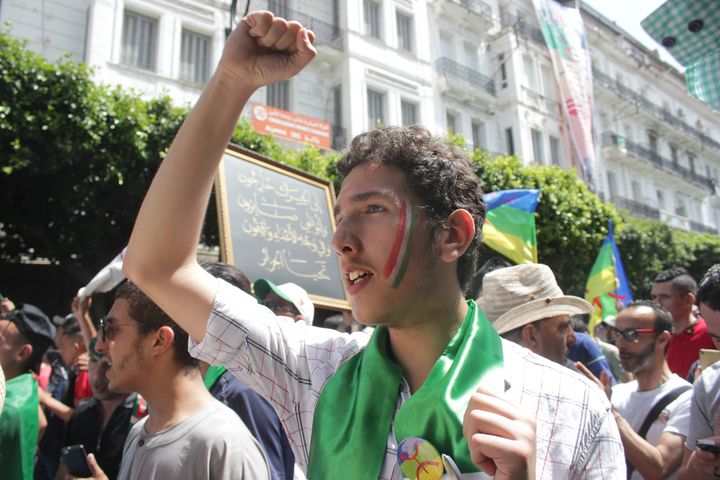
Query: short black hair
(708, 291)
(231, 274)
(681, 280)
(34, 361)
(663, 319)
(70, 326)
(150, 318)
(440, 174)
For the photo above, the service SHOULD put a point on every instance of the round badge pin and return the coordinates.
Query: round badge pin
(419, 459)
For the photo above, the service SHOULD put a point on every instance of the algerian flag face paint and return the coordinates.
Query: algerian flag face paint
(397, 261)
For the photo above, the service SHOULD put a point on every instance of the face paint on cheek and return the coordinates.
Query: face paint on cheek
(398, 258)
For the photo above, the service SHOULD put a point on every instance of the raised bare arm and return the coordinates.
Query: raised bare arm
(161, 256)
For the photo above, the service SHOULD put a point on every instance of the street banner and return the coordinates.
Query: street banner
(564, 34)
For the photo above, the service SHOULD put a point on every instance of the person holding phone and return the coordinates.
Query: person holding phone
(702, 448)
(187, 435)
(101, 424)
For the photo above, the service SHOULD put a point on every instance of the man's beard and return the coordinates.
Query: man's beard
(642, 359)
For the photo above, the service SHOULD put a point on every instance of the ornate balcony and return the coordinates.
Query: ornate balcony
(636, 208)
(522, 27)
(450, 68)
(325, 33)
(611, 139)
(473, 15)
(657, 111)
(475, 7)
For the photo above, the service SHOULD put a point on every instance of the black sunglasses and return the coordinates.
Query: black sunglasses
(108, 331)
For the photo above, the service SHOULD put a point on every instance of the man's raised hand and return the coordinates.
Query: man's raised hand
(265, 49)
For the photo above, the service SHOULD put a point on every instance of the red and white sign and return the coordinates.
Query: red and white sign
(290, 126)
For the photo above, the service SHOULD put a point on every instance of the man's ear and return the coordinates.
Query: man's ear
(24, 352)
(458, 232)
(79, 347)
(163, 340)
(664, 338)
(529, 336)
(690, 299)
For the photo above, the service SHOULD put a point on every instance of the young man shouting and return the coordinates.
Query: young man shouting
(407, 243)
(187, 434)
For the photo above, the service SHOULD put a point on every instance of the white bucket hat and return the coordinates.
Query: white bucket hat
(515, 296)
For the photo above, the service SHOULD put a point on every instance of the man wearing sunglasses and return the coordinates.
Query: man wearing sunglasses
(187, 433)
(652, 412)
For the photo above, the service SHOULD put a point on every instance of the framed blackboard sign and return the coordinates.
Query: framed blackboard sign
(277, 222)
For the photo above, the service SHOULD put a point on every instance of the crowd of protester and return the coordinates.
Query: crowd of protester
(197, 372)
(62, 370)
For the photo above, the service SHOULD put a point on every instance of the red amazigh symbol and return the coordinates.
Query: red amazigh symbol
(421, 465)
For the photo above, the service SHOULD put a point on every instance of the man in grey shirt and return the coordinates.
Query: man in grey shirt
(705, 407)
(188, 434)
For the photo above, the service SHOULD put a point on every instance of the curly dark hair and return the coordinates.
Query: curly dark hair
(709, 290)
(440, 174)
(150, 317)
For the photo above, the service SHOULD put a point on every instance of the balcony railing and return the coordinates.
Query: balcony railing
(636, 208)
(701, 228)
(448, 67)
(646, 105)
(614, 140)
(522, 27)
(475, 6)
(325, 33)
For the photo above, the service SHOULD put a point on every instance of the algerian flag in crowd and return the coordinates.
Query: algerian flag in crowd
(510, 224)
(607, 283)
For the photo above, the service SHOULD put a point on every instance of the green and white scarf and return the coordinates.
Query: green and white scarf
(354, 414)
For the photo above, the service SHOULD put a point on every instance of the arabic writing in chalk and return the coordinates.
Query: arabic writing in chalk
(283, 259)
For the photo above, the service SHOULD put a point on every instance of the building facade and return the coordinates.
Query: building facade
(479, 68)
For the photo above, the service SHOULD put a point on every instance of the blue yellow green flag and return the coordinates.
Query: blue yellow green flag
(607, 284)
(510, 224)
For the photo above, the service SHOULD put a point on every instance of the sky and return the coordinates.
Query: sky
(628, 14)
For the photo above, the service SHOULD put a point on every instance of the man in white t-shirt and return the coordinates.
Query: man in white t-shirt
(642, 333)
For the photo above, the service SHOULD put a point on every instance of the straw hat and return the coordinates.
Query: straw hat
(515, 296)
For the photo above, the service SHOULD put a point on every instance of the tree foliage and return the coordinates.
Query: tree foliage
(572, 223)
(76, 159)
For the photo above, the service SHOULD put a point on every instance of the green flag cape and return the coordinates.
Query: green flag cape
(354, 414)
(19, 428)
